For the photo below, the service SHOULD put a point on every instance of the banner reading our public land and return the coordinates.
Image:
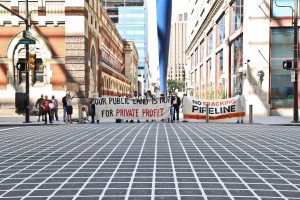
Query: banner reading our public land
(195, 109)
(132, 109)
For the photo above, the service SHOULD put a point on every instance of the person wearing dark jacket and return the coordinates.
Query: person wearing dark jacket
(93, 109)
(64, 102)
(38, 105)
(176, 105)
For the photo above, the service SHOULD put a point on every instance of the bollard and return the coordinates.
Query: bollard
(250, 114)
(206, 113)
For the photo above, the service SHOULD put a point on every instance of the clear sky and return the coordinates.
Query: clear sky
(178, 6)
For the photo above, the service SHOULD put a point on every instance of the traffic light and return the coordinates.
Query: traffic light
(31, 62)
(21, 66)
(288, 64)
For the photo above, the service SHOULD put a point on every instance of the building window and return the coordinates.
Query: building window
(203, 81)
(210, 42)
(197, 55)
(237, 14)
(221, 30)
(282, 11)
(220, 60)
(281, 85)
(202, 56)
(192, 60)
(236, 61)
(220, 76)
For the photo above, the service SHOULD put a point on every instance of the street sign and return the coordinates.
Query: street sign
(293, 76)
(26, 41)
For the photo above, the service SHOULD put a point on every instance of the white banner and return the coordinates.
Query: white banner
(195, 109)
(123, 108)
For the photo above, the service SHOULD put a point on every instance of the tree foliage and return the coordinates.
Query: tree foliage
(174, 84)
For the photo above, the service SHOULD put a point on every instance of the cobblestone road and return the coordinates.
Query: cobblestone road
(150, 161)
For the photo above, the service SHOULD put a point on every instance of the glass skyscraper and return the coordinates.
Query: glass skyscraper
(130, 17)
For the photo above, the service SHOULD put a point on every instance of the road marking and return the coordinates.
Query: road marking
(9, 129)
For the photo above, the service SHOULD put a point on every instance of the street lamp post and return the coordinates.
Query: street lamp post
(295, 114)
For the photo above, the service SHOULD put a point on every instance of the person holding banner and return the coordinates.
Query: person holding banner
(176, 105)
(240, 106)
(148, 95)
(184, 95)
(93, 109)
(171, 107)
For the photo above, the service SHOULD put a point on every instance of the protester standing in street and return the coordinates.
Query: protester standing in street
(69, 108)
(184, 95)
(176, 105)
(149, 96)
(54, 110)
(240, 106)
(93, 109)
(46, 108)
(38, 105)
(64, 102)
(171, 97)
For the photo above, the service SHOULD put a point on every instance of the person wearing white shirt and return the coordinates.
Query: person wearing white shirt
(240, 106)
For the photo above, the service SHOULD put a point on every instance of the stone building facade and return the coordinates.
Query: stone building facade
(77, 49)
(131, 63)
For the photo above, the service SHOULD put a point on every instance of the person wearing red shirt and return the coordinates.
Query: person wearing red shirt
(46, 108)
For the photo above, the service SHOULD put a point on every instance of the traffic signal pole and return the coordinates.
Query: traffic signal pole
(27, 106)
(295, 114)
(25, 19)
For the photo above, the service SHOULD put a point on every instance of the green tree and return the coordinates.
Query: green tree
(211, 94)
(173, 85)
(223, 94)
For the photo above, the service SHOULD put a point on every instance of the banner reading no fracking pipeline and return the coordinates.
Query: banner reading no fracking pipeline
(195, 109)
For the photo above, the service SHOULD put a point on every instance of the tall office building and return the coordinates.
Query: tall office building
(178, 44)
(130, 17)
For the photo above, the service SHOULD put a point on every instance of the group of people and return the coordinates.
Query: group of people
(50, 107)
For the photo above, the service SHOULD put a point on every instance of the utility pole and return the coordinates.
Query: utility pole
(25, 19)
(27, 107)
(295, 115)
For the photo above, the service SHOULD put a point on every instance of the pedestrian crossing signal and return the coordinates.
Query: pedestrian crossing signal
(21, 66)
(288, 64)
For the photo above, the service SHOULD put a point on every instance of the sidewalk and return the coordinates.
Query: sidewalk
(266, 120)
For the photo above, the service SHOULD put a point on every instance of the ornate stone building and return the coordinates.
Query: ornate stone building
(77, 49)
(131, 63)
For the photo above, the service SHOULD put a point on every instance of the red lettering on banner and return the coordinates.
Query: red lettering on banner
(152, 112)
(127, 112)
